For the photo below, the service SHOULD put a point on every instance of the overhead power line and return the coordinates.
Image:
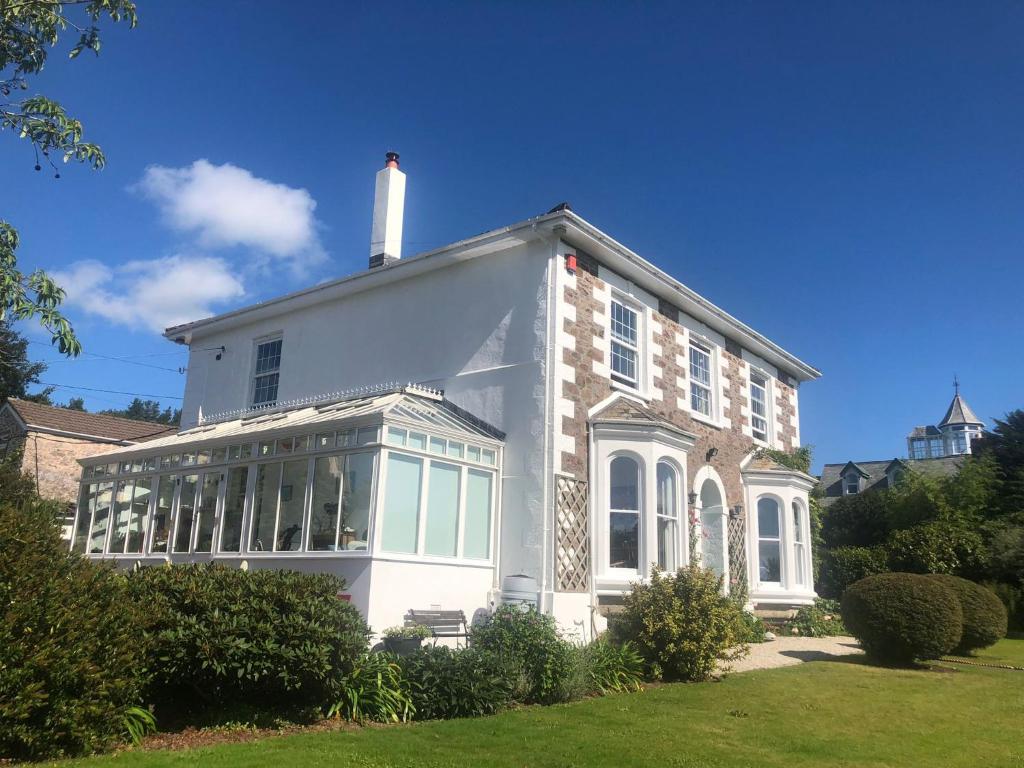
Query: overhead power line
(127, 360)
(109, 391)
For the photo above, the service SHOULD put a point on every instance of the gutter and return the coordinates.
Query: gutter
(658, 283)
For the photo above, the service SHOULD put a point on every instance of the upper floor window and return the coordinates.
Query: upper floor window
(624, 345)
(266, 372)
(700, 379)
(919, 449)
(624, 513)
(851, 485)
(936, 447)
(759, 407)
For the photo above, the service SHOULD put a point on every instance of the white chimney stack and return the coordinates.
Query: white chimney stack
(388, 211)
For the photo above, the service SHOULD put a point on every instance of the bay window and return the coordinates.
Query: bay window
(668, 517)
(769, 541)
(624, 513)
(700, 379)
(799, 547)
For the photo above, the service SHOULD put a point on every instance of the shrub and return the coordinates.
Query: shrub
(934, 548)
(445, 684)
(544, 667)
(900, 617)
(749, 628)
(70, 651)
(612, 668)
(843, 566)
(823, 619)
(1013, 600)
(984, 613)
(223, 639)
(681, 624)
(375, 691)
(861, 520)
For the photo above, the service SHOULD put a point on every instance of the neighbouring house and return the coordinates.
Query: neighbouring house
(853, 477)
(534, 414)
(953, 435)
(52, 440)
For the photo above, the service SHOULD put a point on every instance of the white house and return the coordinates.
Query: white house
(562, 410)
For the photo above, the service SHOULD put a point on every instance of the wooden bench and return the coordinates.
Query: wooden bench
(440, 623)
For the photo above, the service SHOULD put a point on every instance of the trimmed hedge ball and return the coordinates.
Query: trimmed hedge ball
(984, 613)
(902, 617)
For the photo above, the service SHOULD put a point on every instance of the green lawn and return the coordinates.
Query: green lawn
(818, 714)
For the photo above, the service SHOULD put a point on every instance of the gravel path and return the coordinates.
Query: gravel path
(787, 651)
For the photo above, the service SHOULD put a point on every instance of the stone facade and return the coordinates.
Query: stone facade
(51, 460)
(586, 356)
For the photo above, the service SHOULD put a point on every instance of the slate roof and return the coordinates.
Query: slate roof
(875, 473)
(624, 410)
(99, 425)
(959, 412)
(925, 432)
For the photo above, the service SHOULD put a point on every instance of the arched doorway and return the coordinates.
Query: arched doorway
(712, 524)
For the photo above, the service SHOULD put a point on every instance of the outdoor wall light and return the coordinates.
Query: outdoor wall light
(712, 452)
(736, 512)
(692, 496)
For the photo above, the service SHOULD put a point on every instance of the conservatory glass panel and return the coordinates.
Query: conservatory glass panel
(86, 504)
(101, 518)
(122, 516)
(234, 509)
(268, 479)
(293, 506)
(207, 511)
(476, 534)
(355, 502)
(402, 503)
(323, 513)
(442, 526)
(140, 509)
(186, 513)
(162, 514)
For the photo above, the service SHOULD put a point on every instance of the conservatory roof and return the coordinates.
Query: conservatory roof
(409, 405)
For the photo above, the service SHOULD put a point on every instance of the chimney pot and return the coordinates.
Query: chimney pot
(391, 160)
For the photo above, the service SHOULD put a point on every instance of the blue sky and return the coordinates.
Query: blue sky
(846, 178)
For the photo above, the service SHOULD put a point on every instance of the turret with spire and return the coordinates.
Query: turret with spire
(953, 435)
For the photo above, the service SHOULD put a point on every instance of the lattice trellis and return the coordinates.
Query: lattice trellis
(572, 541)
(738, 554)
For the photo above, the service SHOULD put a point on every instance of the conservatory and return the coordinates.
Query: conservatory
(396, 490)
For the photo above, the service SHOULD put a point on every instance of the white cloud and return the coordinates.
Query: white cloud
(225, 205)
(154, 294)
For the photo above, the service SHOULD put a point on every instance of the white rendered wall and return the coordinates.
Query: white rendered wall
(476, 329)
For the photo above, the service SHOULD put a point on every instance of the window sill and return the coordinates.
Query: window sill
(630, 389)
(717, 424)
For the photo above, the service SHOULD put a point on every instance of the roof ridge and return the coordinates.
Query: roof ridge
(61, 409)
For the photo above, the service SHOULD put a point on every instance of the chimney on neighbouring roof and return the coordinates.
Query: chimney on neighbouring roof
(388, 209)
